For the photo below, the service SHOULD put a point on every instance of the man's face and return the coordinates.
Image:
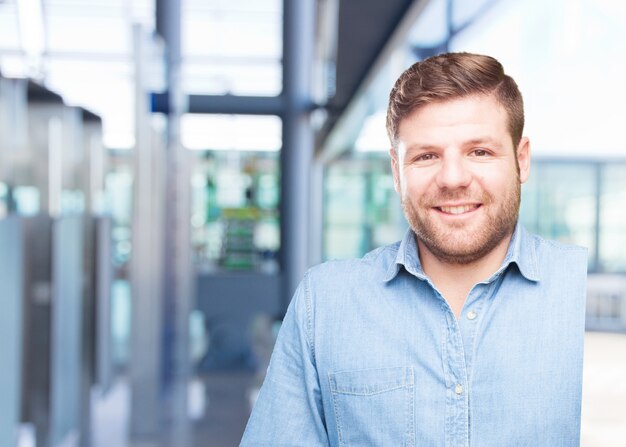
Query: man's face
(458, 178)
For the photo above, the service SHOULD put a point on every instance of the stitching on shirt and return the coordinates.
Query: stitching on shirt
(337, 416)
(484, 304)
(410, 416)
(444, 367)
(370, 393)
(446, 376)
(556, 244)
(533, 253)
(409, 423)
(373, 255)
(563, 247)
(309, 318)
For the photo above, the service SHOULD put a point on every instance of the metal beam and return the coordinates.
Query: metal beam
(224, 104)
(340, 138)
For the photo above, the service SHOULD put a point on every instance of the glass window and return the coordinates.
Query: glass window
(559, 202)
(235, 217)
(88, 57)
(361, 208)
(9, 31)
(119, 188)
(4, 200)
(27, 200)
(540, 43)
(80, 33)
(231, 132)
(431, 28)
(232, 47)
(345, 229)
(235, 190)
(249, 77)
(613, 219)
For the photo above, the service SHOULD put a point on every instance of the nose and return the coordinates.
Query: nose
(453, 173)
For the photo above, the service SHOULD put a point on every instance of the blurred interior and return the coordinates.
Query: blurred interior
(170, 168)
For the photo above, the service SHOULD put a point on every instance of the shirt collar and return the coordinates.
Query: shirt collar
(521, 251)
(408, 257)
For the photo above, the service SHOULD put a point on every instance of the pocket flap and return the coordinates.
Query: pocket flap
(371, 381)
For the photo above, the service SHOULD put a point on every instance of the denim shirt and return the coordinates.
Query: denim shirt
(370, 354)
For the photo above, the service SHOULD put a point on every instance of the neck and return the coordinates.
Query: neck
(455, 281)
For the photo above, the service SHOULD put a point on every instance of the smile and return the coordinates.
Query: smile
(460, 209)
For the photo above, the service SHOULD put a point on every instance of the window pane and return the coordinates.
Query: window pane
(232, 47)
(249, 77)
(231, 132)
(613, 219)
(235, 200)
(9, 31)
(361, 208)
(548, 68)
(559, 203)
(88, 35)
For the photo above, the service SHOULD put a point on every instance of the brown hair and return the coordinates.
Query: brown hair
(451, 76)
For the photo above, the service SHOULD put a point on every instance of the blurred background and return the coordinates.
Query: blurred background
(169, 169)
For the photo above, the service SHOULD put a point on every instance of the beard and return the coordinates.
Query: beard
(464, 243)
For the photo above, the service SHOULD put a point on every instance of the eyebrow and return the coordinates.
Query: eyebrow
(421, 147)
(472, 142)
(481, 140)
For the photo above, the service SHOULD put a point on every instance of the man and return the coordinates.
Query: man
(468, 332)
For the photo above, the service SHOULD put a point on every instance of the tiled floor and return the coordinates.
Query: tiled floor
(221, 425)
(226, 412)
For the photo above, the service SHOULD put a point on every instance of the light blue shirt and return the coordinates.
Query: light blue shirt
(370, 354)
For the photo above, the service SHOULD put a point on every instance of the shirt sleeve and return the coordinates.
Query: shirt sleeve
(288, 410)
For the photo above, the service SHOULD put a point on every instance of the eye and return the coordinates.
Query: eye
(425, 157)
(480, 152)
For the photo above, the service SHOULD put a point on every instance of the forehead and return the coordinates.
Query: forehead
(466, 117)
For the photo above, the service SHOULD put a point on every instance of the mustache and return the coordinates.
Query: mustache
(456, 195)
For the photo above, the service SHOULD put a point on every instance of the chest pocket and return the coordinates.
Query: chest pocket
(374, 407)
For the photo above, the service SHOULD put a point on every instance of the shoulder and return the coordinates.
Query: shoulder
(551, 247)
(554, 256)
(350, 277)
(373, 265)
(328, 289)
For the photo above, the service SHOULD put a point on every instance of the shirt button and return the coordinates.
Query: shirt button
(471, 315)
(458, 389)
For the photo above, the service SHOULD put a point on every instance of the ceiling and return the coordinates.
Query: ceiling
(73, 64)
(364, 27)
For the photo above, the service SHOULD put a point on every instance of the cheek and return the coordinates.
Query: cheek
(499, 186)
(415, 185)
(496, 178)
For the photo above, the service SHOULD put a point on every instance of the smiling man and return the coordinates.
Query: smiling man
(469, 331)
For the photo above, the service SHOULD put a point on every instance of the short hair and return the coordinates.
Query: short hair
(452, 76)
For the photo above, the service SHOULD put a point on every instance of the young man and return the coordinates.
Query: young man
(468, 332)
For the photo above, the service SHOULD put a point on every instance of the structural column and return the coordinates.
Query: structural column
(178, 273)
(145, 360)
(298, 139)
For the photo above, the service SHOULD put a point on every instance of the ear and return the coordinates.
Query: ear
(395, 169)
(523, 159)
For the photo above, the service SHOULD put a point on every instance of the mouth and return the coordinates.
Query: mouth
(458, 209)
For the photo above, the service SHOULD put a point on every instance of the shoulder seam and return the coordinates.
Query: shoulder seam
(378, 252)
(561, 245)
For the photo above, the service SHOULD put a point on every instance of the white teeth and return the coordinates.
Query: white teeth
(457, 209)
